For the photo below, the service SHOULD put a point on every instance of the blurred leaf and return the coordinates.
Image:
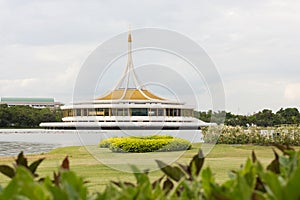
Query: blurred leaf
(157, 182)
(73, 185)
(185, 168)
(207, 181)
(23, 186)
(284, 148)
(7, 171)
(254, 158)
(291, 190)
(274, 166)
(120, 184)
(33, 166)
(197, 161)
(65, 164)
(174, 173)
(21, 160)
(56, 178)
(273, 186)
(168, 185)
(259, 185)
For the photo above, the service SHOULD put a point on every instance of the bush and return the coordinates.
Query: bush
(252, 135)
(145, 144)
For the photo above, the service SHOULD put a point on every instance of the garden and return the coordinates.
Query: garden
(279, 179)
(243, 165)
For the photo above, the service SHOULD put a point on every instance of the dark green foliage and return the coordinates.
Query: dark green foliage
(145, 144)
(21, 161)
(263, 118)
(174, 173)
(66, 184)
(26, 117)
(7, 171)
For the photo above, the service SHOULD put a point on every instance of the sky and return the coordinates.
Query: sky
(255, 45)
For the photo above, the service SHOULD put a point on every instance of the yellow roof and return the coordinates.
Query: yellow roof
(131, 94)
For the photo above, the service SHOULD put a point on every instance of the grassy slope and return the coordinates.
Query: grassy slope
(221, 159)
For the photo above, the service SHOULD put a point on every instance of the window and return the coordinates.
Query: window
(66, 113)
(70, 113)
(114, 112)
(102, 111)
(106, 111)
(160, 112)
(120, 112)
(152, 112)
(91, 112)
(139, 111)
(126, 112)
(168, 112)
(176, 112)
(78, 112)
(84, 112)
(99, 112)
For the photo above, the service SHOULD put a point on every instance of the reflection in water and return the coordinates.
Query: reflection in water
(14, 148)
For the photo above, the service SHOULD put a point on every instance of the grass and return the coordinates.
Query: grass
(88, 162)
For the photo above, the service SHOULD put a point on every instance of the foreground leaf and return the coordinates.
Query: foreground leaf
(21, 160)
(33, 166)
(7, 171)
(174, 173)
(197, 162)
(274, 166)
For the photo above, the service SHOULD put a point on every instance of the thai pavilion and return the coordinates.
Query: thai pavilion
(129, 105)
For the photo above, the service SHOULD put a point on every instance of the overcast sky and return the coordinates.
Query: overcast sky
(255, 45)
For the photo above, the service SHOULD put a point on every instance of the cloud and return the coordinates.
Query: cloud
(292, 92)
(254, 44)
(9, 85)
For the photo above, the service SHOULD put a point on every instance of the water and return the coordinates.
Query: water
(12, 141)
(14, 148)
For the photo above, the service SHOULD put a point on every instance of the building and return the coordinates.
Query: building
(32, 102)
(128, 105)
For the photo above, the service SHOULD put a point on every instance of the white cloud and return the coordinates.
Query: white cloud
(255, 44)
(6, 86)
(292, 92)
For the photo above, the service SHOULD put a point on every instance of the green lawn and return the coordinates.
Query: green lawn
(87, 162)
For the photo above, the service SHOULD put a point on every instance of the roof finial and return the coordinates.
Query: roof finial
(129, 34)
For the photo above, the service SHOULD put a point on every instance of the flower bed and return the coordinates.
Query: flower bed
(252, 135)
(145, 144)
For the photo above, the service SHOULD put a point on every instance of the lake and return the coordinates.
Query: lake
(12, 141)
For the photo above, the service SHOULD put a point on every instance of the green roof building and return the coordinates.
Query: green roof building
(32, 102)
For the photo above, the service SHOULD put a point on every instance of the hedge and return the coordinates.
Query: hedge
(252, 135)
(145, 144)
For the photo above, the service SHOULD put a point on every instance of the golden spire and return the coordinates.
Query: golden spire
(129, 34)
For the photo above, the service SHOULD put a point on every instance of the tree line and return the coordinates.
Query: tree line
(26, 116)
(263, 118)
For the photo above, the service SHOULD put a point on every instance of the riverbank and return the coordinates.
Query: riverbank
(221, 159)
(43, 140)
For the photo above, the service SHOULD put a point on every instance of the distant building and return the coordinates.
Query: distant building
(129, 105)
(32, 102)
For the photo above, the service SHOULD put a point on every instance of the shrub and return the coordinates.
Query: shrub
(145, 144)
(252, 135)
(107, 142)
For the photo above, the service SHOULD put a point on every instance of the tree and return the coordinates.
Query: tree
(288, 116)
